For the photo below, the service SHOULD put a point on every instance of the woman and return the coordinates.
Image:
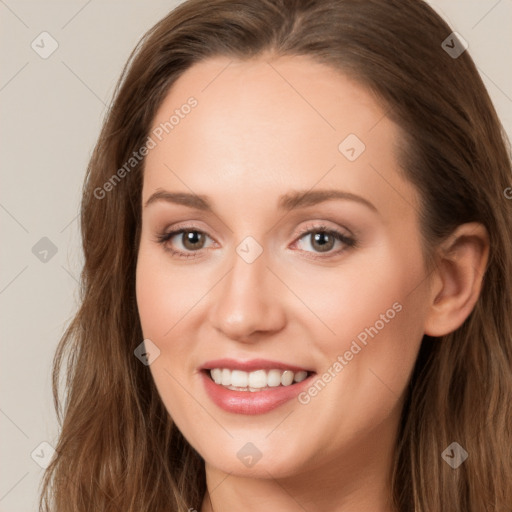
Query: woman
(298, 262)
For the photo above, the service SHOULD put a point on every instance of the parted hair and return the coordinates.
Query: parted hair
(118, 448)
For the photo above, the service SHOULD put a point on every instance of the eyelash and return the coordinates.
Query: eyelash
(349, 242)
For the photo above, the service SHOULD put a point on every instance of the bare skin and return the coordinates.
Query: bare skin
(264, 128)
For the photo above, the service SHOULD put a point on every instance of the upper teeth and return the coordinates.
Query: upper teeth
(257, 379)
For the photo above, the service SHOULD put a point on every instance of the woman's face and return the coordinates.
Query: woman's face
(335, 286)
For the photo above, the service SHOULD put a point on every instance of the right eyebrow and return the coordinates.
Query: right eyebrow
(184, 198)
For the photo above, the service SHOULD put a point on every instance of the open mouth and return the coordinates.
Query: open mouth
(258, 380)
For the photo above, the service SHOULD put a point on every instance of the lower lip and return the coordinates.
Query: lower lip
(252, 402)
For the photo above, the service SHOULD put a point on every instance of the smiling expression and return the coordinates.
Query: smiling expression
(298, 238)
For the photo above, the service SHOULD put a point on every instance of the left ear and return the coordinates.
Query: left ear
(457, 279)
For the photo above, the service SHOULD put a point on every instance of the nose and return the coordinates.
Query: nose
(249, 301)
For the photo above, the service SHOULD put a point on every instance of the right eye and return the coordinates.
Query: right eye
(191, 239)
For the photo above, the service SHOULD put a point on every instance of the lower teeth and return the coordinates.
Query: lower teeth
(234, 388)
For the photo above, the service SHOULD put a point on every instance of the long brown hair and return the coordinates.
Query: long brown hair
(118, 448)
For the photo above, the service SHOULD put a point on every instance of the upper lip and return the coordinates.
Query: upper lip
(251, 365)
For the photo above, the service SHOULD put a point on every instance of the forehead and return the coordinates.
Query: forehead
(267, 125)
(273, 89)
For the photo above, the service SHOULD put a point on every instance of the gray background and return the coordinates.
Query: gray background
(51, 113)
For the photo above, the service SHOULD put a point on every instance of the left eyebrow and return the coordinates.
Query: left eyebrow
(288, 202)
(303, 198)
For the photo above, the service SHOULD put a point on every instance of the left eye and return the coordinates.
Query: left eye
(323, 239)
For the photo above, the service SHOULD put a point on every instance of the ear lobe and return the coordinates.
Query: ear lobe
(461, 265)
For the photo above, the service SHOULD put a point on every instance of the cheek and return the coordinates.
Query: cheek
(164, 295)
(168, 300)
(367, 288)
(163, 301)
(368, 361)
(377, 314)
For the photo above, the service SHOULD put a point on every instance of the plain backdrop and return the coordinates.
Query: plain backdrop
(51, 113)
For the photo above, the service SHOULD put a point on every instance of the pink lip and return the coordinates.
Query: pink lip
(252, 365)
(251, 402)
